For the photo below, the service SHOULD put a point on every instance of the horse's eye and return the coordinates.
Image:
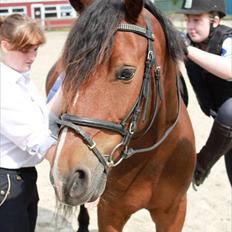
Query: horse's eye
(126, 74)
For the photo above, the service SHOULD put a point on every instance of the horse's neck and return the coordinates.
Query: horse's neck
(168, 108)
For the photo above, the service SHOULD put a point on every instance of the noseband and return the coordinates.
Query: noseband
(128, 126)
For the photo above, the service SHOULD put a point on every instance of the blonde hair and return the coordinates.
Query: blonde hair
(21, 32)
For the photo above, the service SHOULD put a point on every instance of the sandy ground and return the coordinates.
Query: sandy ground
(209, 209)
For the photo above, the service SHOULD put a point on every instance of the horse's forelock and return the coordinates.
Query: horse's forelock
(90, 41)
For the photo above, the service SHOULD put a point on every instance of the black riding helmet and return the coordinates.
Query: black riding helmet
(195, 7)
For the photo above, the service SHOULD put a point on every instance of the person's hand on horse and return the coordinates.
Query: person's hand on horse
(185, 41)
(53, 126)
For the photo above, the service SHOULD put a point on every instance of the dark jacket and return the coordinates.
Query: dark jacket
(211, 91)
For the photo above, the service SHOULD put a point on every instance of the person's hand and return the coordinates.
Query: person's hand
(50, 154)
(53, 126)
(185, 42)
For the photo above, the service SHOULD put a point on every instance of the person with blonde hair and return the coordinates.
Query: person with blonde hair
(25, 137)
(209, 67)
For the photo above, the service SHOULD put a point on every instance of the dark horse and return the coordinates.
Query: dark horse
(125, 133)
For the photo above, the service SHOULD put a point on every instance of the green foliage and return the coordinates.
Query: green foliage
(175, 2)
(168, 5)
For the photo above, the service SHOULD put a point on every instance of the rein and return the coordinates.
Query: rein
(127, 132)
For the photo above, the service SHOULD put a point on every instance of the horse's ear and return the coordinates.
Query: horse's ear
(80, 5)
(133, 9)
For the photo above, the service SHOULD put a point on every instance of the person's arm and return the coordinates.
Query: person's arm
(21, 123)
(218, 65)
(55, 109)
(55, 105)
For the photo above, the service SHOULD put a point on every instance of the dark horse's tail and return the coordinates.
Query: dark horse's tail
(175, 47)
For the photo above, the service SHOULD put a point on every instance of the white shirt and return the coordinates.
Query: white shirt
(226, 50)
(24, 133)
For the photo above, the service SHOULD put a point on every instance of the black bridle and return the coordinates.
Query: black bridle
(128, 126)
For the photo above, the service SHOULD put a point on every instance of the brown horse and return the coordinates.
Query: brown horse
(125, 131)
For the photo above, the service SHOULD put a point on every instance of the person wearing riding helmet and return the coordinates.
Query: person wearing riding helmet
(209, 67)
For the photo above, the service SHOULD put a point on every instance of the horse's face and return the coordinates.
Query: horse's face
(108, 94)
(111, 92)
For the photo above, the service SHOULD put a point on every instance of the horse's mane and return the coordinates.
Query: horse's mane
(90, 40)
(174, 44)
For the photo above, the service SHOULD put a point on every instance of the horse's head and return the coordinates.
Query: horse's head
(110, 64)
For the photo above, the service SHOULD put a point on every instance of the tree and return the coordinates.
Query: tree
(175, 2)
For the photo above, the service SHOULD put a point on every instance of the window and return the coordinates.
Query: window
(10, 10)
(20, 10)
(50, 12)
(65, 11)
(4, 11)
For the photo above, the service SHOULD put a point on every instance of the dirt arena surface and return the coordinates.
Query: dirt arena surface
(209, 209)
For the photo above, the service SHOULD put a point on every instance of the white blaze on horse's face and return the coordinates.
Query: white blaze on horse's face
(75, 99)
(57, 177)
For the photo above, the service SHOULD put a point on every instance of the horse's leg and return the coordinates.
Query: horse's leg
(111, 218)
(171, 219)
(83, 219)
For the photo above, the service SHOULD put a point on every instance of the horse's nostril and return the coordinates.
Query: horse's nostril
(78, 180)
(74, 188)
(78, 183)
(81, 174)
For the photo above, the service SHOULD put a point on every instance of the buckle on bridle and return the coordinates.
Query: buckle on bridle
(91, 147)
